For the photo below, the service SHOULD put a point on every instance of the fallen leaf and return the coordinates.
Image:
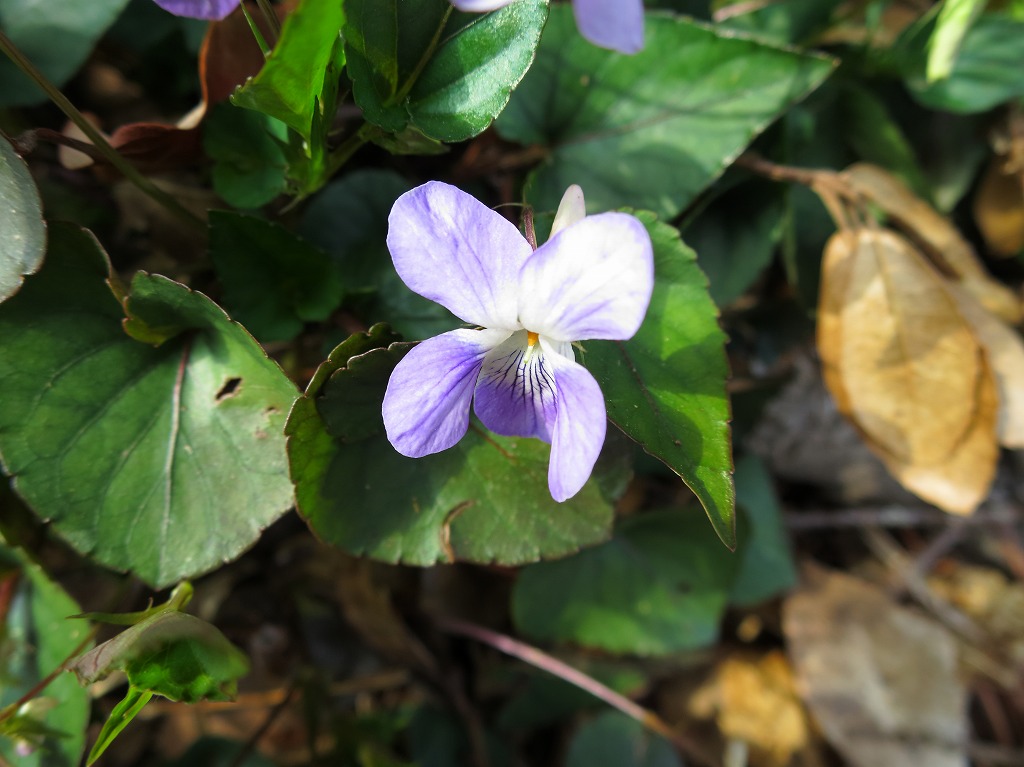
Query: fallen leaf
(880, 679)
(1006, 356)
(938, 238)
(905, 367)
(999, 208)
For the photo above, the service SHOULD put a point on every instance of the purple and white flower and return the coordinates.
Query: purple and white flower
(199, 9)
(614, 24)
(591, 280)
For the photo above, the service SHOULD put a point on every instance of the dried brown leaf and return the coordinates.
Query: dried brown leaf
(999, 208)
(938, 238)
(906, 368)
(880, 679)
(1006, 356)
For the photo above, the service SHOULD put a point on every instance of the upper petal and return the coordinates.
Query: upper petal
(426, 405)
(453, 249)
(579, 429)
(614, 24)
(591, 280)
(515, 394)
(199, 9)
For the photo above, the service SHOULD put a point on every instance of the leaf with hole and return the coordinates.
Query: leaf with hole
(163, 456)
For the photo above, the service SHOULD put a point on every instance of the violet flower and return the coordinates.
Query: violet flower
(614, 24)
(199, 9)
(591, 280)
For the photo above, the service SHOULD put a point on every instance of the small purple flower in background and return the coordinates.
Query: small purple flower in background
(199, 9)
(614, 24)
(591, 280)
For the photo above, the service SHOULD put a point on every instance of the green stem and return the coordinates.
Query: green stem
(410, 81)
(341, 155)
(103, 147)
(271, 19)
(256, 33)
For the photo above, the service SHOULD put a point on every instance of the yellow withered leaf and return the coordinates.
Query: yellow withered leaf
(1006, 356)
(939, 239)
(999, 208)
(905, 367)
(908, 362)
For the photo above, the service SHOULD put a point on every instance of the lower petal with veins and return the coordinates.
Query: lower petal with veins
(515, 394)
(426, 405)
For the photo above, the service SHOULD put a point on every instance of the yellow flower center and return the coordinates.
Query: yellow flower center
(531, 339)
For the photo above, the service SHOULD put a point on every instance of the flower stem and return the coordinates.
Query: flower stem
(102, 145)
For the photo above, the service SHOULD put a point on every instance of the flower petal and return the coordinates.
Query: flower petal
(580, 425)
(614, 24)
(478, 6)
(199, 9)
(571, 210)
(591, 280)
(453, 249)
(426, 405)
(515, 394)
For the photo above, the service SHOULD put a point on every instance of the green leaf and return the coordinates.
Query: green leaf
(484, 500)
(782, 22)
(614, 740)
(166, 461)
(665, 387)
(374, 291)
(292, 79)
(56, 37)
(955, 18)
(659, 586)
(23, 233)
(650, 130)
(766, 568)
(249, 164)
(736, 236)
(986, 72)
(172, 654)
(35, 639)
(273, 280)
(449, 76)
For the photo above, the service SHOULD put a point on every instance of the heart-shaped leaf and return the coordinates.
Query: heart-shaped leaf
(24, 233)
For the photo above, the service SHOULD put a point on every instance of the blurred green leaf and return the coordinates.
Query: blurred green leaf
(665, 387)
(986, 72)
(274, 281)
(783, 22)
(650, 130)
(362, 200)
(484, 500)
(23, 243)
(292, 80)
(614, 740)
(56, 37)
(127, 449)
(767, 567)
(955, 18)
(448, 76)
(659, 586)
(35, 639)
(249, 165)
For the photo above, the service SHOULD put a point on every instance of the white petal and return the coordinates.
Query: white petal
(580, 425)
(478, 6)
(571, 210)
(451, 248)
(592, 280)
(426, 405)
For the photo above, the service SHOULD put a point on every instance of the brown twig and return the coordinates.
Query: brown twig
(250, 744)
(540, 659)
(895, 516)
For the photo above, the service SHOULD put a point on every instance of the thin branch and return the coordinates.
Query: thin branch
(894, 517)
(250, 744)
(108, 152)
(564, 671)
